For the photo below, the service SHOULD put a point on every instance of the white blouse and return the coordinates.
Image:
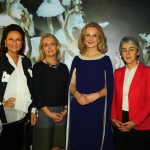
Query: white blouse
(129, 74)
(17, 88)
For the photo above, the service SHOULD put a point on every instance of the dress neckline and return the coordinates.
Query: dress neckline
(91, 58)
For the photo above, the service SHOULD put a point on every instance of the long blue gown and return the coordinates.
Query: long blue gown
(90, 127)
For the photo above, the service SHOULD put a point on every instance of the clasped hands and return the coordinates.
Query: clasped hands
(57, 117)
(124, 127)
(84, 99)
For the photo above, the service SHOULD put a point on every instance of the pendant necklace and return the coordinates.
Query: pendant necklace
(52, 66)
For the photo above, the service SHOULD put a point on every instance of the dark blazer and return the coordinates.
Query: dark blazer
(8, 68)
(139, 97)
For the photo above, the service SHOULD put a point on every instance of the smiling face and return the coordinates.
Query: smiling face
(129, 53)
(49, 47)
(13, 41)
(91, 37)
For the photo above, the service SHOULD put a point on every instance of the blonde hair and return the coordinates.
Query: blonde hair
(102, 45)
(42, 55)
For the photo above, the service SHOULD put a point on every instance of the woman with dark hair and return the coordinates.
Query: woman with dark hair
(91, 84)
(15, 87)
(130, 112)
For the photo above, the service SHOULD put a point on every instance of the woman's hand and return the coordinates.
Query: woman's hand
(117, 123)
(81, 98)
(121, 126)
(33, 119)
(63, 113)
(91, 97)
(129, 125)
(61, 116)
(56, 117)
(10, 103)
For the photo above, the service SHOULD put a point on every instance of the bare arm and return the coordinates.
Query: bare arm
(68, 38)
(79, 96)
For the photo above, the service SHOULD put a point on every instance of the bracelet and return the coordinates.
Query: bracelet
(100, 94)
(74, 94)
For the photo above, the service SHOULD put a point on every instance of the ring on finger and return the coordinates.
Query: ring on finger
(12, 104)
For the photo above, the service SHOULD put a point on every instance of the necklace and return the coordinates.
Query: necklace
(52, 66)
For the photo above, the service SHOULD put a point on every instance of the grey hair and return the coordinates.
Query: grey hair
(129, 40)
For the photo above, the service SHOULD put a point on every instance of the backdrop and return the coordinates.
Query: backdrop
(118, 18)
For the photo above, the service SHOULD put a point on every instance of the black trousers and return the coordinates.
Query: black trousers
(29, 136)
(12, 136)
(133, 140)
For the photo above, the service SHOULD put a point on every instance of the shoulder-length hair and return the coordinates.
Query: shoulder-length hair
(102, 45)
(42, 54)
(6, 30)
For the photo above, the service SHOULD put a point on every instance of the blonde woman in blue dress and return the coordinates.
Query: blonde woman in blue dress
(49, 9)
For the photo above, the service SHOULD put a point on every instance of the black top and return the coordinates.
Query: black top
(50, 85)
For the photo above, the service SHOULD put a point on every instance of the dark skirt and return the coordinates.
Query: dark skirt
(47, 133)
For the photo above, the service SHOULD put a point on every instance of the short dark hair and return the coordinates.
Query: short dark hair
(6, 30)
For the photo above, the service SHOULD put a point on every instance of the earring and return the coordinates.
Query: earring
(5, 45)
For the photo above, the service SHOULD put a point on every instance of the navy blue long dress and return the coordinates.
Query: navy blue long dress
(90, 127)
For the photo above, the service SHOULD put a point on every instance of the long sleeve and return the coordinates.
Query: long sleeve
(143, 113)
(4, 67)
(37, 95)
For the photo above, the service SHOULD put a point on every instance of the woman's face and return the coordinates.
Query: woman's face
(129, 53)
(91, 37)
(49, 46)
(75, 34)
(13, 41)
